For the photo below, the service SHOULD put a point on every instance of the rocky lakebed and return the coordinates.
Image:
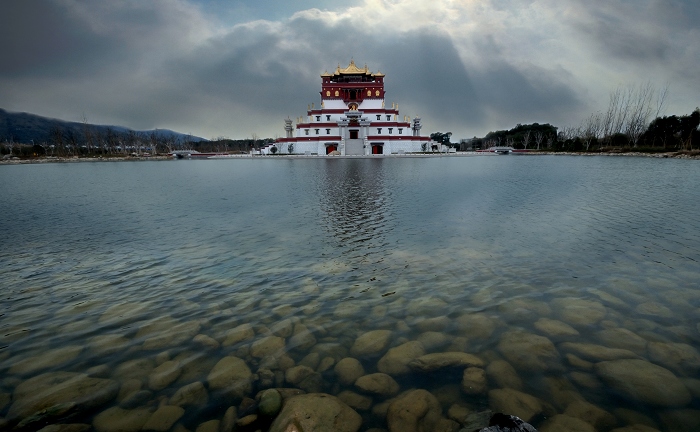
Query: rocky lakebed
(564, 364)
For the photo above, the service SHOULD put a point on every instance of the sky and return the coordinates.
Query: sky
(234, 69)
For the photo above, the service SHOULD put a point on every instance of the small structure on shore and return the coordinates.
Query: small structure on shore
(352, 120)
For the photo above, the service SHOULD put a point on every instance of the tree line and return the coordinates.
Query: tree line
(108, 142)
(631, 122)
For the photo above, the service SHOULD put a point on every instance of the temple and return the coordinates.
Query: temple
(352, 120)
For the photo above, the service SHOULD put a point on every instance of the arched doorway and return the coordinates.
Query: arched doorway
(331, 148)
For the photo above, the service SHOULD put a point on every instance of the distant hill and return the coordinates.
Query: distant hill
(26, 128)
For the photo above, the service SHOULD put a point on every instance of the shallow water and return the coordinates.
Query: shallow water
(341, 247)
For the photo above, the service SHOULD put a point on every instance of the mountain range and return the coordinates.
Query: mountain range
(27, 128)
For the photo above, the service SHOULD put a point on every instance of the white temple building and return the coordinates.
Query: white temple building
(352, 120)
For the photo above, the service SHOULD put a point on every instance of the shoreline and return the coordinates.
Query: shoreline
(44, 160)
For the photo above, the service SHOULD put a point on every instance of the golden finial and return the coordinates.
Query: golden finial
(308, 107)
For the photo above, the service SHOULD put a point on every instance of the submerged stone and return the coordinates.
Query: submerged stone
(474, 381)
(417, 411)
(562, 422)
(48, 359)
(513, 402)
(348, 370)
(396, 360)
(243, 332)
(597, 352)
(117, 419)
(435, 361)
(267, 346)
(270, 402)
(529, 352)
(378, 383)
(371, 343)
(679, 357)
(555, 329)
(55, 388)
(316, 412)
(644, 381)
(164, 418)
(578, 312)
(624, 339)
(232, 376)
(504, 375)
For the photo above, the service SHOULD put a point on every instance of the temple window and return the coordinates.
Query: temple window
(306, 131)
(353, 134)
(379, 116)
(328, 131)
(400, 131)
(318, 118)
(316, 131)
(379, 130)
(328, 118)
(391, 129)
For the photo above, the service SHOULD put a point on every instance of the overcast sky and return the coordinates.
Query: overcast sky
(237, 68)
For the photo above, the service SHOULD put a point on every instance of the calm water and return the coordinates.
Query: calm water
(343, 247)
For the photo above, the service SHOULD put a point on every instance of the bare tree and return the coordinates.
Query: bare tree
(526, 139)
(539, 137)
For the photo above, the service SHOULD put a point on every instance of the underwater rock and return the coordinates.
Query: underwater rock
(644, 381)
(231, 375)
(355, 401)
(303, 339)
(624, 339)
(474, 381)
(417, 411)
(241, 333)
(206, 342)
(396, 360)
(591, 414)
(164, 375)
(513, 402)
(117, 419)
(562, 422)
(435, 361)
(164, 418)
(654, 309)
(270, 402)
(433, 341)
(378, 383)
(597, 353)
(476, 326)
(529, 352)
(56, 388)
(678, 357)
(555, 329)
(348, 370)
(267, 346)
(48, 359)
(504, 375)
(371, 343)
(193, 394)
(316, 412)
(578, 312)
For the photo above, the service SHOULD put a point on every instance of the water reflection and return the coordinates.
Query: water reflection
(357, 211)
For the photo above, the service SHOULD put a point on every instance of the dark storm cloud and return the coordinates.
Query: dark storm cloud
(166, 63)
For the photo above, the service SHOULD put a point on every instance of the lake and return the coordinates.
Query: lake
(568, 286)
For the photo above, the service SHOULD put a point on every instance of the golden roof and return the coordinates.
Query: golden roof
(352, 69)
